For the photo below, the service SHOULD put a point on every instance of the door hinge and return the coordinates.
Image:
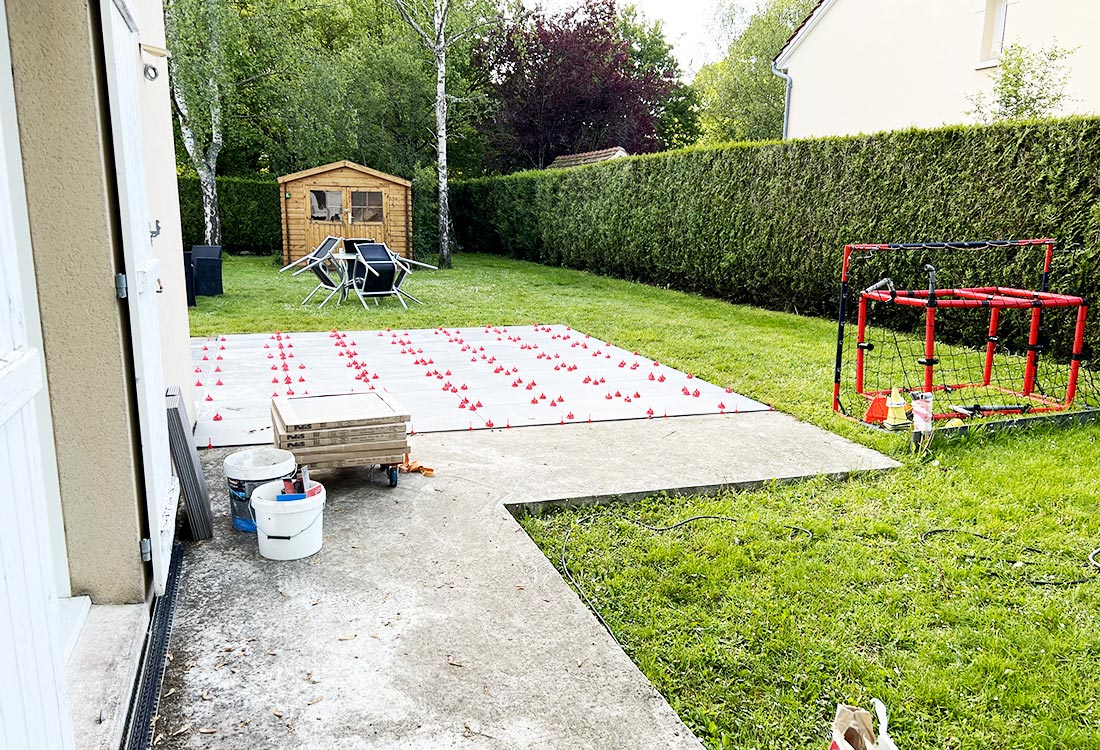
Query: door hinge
(120, 285)
(146, 550)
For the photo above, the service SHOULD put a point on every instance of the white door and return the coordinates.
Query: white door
(34, 704)
(124, 72)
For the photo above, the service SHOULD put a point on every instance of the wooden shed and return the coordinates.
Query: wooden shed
(347, 200)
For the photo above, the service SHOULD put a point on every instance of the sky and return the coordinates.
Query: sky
(689, 26)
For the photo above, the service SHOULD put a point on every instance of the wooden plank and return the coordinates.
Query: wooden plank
(357, 462)
(338, 410)
(327, 452)
(339, 436)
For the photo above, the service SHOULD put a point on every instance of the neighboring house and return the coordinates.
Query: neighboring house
(87, 201)
(587, 157)
(862, 66)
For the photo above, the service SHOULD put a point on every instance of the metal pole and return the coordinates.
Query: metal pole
(929, 359)
(1078, 351)
(861, 336)
(991, 345)
(841, 312)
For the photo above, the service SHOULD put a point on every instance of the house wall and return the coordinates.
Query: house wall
(868, 65)
(56, 64)
(160, 175)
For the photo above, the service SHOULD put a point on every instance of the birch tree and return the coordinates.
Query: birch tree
(196, 31)
(430, 20)
(218, 49)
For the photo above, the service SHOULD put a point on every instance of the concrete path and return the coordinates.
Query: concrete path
(430, 619)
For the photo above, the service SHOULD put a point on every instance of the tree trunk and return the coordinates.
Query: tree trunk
(441, 163)
(210, 213)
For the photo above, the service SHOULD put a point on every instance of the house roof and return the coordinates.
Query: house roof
(345, 163)
(587, 157)
(801, 31)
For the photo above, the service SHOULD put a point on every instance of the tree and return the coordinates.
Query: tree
(199, 86)
(740, 97)
(677, 121)
(431, 26)
(567, 83)
(218, 50)
(1028, 85)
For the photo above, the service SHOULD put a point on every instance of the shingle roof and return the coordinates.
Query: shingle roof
(798, 29)
(587, 157)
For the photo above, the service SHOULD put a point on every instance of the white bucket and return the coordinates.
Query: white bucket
(248, 469)
(290, 529)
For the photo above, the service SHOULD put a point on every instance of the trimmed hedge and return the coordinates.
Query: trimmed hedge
(765, 224)
(250, 212)
(252, 215)
(425, 218)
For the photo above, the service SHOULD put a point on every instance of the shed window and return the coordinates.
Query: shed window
(326, 205)
(366, 206)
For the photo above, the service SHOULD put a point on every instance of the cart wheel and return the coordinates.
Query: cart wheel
(391, 472)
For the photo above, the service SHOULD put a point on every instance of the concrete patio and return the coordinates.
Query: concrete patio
(430, 619)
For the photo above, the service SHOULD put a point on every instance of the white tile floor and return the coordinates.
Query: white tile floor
(449, 379)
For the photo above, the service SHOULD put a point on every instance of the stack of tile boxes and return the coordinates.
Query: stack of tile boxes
(341, 430)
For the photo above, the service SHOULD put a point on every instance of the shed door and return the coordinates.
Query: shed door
(143, 276)
(34, 709)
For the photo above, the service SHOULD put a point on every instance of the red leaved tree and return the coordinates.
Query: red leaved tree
(564, 84)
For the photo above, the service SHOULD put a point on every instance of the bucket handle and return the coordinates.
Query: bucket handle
(316, 518)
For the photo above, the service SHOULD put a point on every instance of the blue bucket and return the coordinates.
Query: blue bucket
(248, 469)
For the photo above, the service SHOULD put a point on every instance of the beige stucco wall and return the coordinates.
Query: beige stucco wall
(160, 175)
(870, 65)
(83, 328)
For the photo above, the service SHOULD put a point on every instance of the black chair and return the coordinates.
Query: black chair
(189, 277)
(207, 262)
(316, 255)
(374, 273)
(325, 281)
(351, 242)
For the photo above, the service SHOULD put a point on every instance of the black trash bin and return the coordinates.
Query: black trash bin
(207, 262)
(189, 277)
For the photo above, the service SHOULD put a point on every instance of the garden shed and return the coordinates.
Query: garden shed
(347, 200)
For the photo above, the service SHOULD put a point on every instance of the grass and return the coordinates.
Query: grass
(752, 635)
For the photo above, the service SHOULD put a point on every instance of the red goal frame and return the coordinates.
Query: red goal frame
(993, 298)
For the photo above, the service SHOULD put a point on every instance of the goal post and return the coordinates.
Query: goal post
(981, 344)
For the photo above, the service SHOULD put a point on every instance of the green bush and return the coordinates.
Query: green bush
(765, 223)
(250, 211)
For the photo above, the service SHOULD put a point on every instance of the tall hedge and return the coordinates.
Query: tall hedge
(252, 215)
(765, 223)
(425, 218)
(250, 212)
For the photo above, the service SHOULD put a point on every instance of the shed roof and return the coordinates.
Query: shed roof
(587, 157)
(345, 163)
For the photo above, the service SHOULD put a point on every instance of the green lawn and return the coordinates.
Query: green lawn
(752, 635)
